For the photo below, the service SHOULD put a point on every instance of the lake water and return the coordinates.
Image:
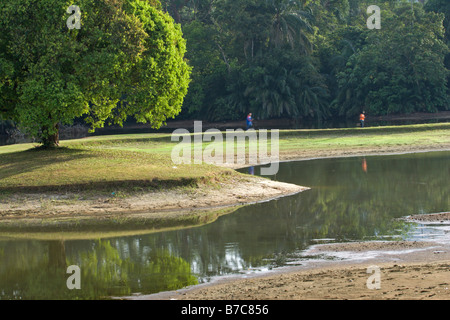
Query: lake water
(351, 199)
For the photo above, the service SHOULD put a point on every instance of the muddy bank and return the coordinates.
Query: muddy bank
(423, 273)
(398, 282)
(430, 218)
(235, 192)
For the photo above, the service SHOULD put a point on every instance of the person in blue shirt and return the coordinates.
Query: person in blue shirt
(249, 121)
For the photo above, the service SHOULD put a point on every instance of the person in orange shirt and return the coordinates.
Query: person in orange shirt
(362, 119)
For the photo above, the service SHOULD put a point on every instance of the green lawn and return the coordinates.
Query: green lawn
(136, 161)
(76, 167)
(424, 137)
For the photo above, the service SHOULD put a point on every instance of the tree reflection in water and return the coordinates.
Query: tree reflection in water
(37, 270)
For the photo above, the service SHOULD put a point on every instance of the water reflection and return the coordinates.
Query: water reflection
(37, 270)
(364, 165)
(350, 199)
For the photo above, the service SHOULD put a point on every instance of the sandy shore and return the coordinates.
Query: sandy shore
(407, 271)
(420, 281)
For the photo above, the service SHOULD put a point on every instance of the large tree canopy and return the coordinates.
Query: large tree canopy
(127, 59)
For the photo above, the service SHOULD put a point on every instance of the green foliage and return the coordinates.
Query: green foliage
(299, 59)
(442, 6)
(209, 73)
(254, 60)
(283, 84)
(400, 69)
(313, 58)
(126, 60)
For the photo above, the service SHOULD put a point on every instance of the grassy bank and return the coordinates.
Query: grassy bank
(129, 163)
(80, 168)
(356, 141)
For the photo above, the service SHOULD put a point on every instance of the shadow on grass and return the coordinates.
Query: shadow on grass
(106, 186)
(16, 163)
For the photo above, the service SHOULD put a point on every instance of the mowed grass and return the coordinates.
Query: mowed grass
(430, 136)
(137, 161)
(74, 168)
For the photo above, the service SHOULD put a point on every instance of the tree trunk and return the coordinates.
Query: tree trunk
(176, 13)
(52, 141)
(57, 255)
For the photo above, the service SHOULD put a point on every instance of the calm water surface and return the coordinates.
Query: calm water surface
(351, 199)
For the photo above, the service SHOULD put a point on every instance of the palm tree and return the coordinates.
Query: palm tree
(314, 101)
(273, 93)
(290, 24)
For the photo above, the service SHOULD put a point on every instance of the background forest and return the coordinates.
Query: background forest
(313, 59)
(304, 60)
